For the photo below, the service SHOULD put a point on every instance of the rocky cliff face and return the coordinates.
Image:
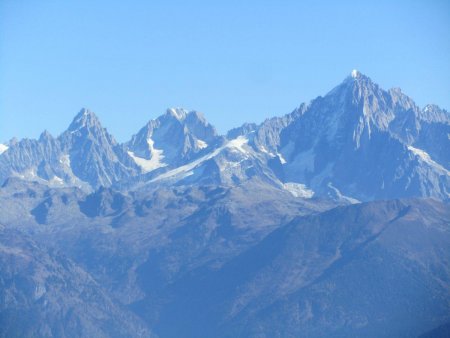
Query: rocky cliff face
(362, 142)
(173, 139)
(85, 155)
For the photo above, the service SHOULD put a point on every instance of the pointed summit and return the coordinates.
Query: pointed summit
(94, 154)
(354, 82)
(178, 113)
(85, 118)
(355, 73)
(175, 137)
(357, 77)
(45, 136)
(356, 109)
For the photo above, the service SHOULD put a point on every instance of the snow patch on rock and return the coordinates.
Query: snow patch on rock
(236, 144)
(201, 144)
(282, 159)
(155, 162)
(298, 190)
(3, 148)
(425, 157)
(339, 196)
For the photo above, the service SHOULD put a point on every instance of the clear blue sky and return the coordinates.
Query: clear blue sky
(130, 60)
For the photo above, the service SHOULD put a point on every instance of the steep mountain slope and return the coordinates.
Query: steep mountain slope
(379, 269)
(433, 136)
(85, 155)
(45, 295)
(95, 157)
(36, 160)
(171, 140)
(229, 164)
(363, 142)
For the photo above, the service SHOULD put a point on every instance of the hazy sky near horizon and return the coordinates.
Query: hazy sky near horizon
(235, 61)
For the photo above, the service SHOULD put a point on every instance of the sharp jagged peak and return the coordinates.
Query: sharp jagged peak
(177, 132)
(84, 119)
(355, 82)
(363, 102)
(178, 113)
(86, 124)
(182, 114)
(358, 78)
(434, 108)
(433, 113)
(360, 88)
(45, 136)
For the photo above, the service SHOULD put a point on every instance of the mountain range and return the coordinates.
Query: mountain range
(330, 221)
(396, 148)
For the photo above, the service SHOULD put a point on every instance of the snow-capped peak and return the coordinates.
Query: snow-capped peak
(355, 73)
(179, 113)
